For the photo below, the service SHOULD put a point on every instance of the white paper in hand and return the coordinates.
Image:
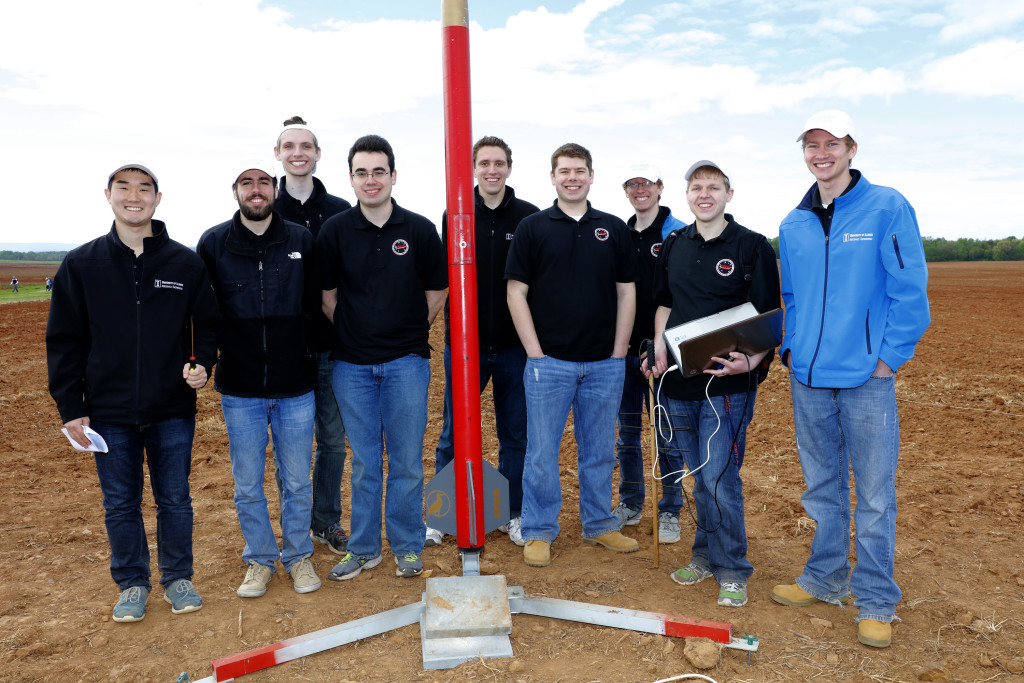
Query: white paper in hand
(98, 444)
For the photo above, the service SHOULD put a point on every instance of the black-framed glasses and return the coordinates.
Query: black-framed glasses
(633, 184)
(377, 173)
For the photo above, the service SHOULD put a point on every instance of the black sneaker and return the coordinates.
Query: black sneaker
(335, 538)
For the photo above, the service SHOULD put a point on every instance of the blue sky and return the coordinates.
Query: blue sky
(193, 88)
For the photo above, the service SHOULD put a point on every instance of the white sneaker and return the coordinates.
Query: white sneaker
(433, 537)
(668, 528)
(256, 579)
(515, 531)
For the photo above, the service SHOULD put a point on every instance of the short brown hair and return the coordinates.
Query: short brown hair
(573, 151)
(711, 173)
(491, 141)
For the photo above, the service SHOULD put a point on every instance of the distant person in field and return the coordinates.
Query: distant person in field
(49, 284)
(14, 284)
(262, 272)
(502, 358)
(303, 199)
(854, 282)
(127, 312)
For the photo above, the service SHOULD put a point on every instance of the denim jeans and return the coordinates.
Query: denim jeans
(720, 541)
(632, 472)
(593, 391)
(168, 448)
(291, 426)
(504, 367)
(385, 405)
(329, 463)
(837, 428)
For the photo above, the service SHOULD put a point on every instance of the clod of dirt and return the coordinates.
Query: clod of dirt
(964, 618)
(983, 660)
(516, 666)
(978, 625)
(703, 653)
(1014, 666)
(669, 647)
(832, 658)
(489, 568)
(822, 623)
(934, 673)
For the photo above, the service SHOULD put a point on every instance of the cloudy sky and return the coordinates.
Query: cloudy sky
(195, 87)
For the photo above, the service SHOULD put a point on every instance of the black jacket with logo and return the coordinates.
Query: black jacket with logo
(493, 230)
(267, 292)
(116, 346)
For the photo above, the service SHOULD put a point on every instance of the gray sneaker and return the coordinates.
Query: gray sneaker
(733, 594)
(334, 536)
(254, 585)
(626, 515)
(691, 574)
(131, 606)
(183, 597)
(668, 528)
(304, 578)
(409, 565)
(351, 565)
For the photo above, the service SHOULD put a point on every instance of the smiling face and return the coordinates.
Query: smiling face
(373, 189)
(491, 170)
(133, 197)
(298, 152)
(707, 194)
(828, 157)
(572, 179)
(255, 192)
(643, 194)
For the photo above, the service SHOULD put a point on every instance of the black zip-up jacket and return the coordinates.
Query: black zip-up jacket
(318, 208)
(267, 292)
(493, 233)
(121, 330)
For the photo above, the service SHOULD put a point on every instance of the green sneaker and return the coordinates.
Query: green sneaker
(351, 565)
(733, 594)
(409, 565)
(691, 574)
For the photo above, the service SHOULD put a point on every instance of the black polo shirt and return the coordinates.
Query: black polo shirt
(571, 268)
(697, 278)
(647, 244)
(382, 275)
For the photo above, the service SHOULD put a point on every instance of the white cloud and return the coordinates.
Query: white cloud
(763, 29)
(988, 70)
(973, 18)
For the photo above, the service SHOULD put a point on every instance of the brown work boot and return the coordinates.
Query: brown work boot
(537, 553)
(792, 594)
(614, 540)
(874, 633)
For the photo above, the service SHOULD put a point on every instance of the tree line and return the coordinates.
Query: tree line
(937, 249)
(54, 256)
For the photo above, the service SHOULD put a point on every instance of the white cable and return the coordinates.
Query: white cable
(683, 676)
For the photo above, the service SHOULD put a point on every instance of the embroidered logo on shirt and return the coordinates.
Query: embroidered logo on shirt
(655, 249)
(601, 234)
(400, 247)
(508, 236)
(167, 284)
(295, 255)
(725, 267)
(858, 237)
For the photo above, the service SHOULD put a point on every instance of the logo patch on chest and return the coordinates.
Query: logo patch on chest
(167, 284)
(725, 267)
(601, 234)
(400, 247)
(655, 249)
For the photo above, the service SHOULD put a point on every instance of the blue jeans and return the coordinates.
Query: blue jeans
(505, 367)
(329, 464)
(593, 391)
(291, 426)
(385, 405)
(837, 428)
(168, 448)
(720, 541)
(632, 473)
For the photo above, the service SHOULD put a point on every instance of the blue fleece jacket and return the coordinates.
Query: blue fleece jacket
(855, 293)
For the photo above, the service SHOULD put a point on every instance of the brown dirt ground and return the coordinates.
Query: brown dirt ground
(960, 561)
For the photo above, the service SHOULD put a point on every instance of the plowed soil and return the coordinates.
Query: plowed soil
(960, 560)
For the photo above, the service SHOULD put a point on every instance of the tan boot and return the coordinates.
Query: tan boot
(537, 553)
(614, 540)
(792, 594)
(874, 633)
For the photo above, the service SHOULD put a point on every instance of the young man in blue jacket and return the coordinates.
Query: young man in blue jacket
(854, 282)
(128, 311)
(262, 272)
(304, 200)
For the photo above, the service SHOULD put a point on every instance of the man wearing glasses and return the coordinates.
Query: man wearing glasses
(648, 227)
(383, 276)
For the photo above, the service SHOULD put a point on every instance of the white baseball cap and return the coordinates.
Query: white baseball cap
(257, 164)
(645, 171)
(833, 121)
(133, 166)
(701, 164)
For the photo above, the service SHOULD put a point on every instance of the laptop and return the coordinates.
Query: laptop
(740, 328)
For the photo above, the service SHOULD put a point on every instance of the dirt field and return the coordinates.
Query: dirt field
(960, 560)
